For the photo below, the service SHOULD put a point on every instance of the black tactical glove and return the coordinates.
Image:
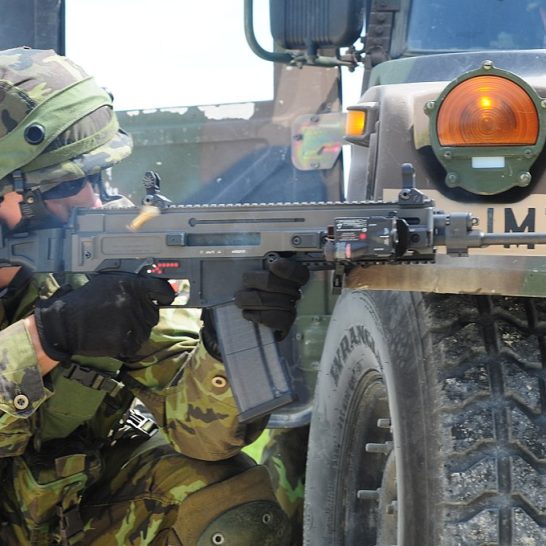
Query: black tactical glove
(269, 297)
(111, 315)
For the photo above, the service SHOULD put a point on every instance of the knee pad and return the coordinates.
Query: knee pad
(239, 511)
(250, 524)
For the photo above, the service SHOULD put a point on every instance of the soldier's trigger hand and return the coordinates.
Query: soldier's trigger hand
(269, 297)
(111, 315)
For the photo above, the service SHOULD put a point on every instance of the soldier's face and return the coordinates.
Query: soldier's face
(10, 213)
(85, 198)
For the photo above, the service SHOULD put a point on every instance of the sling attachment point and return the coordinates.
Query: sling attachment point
(135, 426)
(139, 425)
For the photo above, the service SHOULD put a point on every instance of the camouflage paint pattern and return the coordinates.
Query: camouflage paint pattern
(139, 487)
(142, 501)
(85, 140)
(285, 456)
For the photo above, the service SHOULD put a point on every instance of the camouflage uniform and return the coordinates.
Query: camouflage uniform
(144, 492)
(285, 456)
(73, 469)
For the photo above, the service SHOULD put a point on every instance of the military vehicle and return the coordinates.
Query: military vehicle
(424, 385)
(428, 419)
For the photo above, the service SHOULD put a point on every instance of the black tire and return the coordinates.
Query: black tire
(462, 382)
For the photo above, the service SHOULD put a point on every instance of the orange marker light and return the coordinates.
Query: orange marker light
(486, 102)
(487, 111)
(355, 123)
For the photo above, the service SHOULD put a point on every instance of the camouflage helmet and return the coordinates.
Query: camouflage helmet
(56, 123)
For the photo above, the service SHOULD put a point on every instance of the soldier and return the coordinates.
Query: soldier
(78, 464)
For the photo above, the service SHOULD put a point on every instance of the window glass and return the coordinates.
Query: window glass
(446, 25)
(170, 53)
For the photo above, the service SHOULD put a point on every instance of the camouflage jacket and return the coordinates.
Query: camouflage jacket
(184, 387)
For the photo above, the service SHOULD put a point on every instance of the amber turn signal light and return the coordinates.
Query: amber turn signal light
(487, 111)
(355, 123)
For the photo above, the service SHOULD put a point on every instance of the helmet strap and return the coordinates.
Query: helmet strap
(18, 181)
(35, 214)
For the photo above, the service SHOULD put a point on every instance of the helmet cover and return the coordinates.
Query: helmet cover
(56, 123)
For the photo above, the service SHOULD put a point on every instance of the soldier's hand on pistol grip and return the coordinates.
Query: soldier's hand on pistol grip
(269, 296)
(111, 315)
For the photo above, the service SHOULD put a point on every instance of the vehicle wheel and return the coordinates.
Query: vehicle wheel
(429, 423)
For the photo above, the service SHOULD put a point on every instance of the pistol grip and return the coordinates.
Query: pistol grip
(258, 374)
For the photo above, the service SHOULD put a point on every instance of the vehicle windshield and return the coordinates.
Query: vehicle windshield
(446, 25)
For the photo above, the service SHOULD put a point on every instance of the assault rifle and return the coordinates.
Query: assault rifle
(213, 245)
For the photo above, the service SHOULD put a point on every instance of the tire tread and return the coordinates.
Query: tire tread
(493, 405)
